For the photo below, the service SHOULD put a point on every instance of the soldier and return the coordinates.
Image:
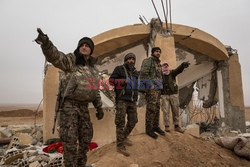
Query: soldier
(124, 78)
(170, 97)
(75, 124)
(151, 73)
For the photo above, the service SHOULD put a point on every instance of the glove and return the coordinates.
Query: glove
(185, 64)
(99, 114)
(42, 39)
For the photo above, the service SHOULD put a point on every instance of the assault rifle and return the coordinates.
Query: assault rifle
(57, 109)
(59, 101)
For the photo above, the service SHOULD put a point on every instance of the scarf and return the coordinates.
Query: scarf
(166, 70)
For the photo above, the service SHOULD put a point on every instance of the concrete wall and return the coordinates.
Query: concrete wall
(167, 46)
(237, 118)
(50, 89)
(231, 94)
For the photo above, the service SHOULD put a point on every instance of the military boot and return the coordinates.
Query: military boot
(167, 129)
(179, 129)
(158, 130)
(123, 150)
(127, 142)
(152, 134)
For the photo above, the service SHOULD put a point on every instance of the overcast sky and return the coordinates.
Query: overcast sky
(66, 21)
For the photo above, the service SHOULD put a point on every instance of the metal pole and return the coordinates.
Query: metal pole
(156, 12)
(170, 15)
(145, 19)
(167, 13)
(141, 19)
(164, 12)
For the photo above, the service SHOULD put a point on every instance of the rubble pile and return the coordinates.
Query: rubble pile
(22, 146)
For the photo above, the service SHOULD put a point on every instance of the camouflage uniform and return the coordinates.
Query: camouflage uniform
(151, 70)
(126, 97)
(122, 131)
(75, 123)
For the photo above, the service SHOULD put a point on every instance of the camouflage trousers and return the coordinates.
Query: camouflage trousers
(75, 125)
(170, 102)
(122, 131)
(153, 97)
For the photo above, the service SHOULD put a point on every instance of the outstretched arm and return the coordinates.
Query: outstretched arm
(180, 68)
(57, 58)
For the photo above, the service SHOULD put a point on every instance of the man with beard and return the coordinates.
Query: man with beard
(151, 73)
(170, 97)
(124, 79)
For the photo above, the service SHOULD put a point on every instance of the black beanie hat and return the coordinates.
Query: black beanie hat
(155, 49)
(88, 41)
(128, 56)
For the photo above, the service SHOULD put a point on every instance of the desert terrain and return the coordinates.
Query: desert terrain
(20, 114)
(173, 149)
(15, 114)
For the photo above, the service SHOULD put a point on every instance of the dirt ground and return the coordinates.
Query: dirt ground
(173, 149)
(20, 115)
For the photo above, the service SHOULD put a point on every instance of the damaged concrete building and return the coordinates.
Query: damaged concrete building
(214, 74)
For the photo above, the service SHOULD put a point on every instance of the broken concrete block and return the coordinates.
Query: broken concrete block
(14, 143)
(6, 132)
(24, 139)
(30, 153)
(12, 155)
(193, 130)
(207, 135)
(57, 161)
(39, 158)
(21, 162)
(35, 164)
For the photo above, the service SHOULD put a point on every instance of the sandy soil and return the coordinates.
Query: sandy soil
(174, 149)
(20, 114)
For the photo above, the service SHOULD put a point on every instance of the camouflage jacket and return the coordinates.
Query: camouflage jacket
(151, 72)
(78, 82)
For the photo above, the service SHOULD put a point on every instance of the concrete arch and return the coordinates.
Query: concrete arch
(190, 37)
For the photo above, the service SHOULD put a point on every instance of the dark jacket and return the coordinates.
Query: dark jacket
(169, 81)
(124, 91)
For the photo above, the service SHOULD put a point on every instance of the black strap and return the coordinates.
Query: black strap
(123, 89)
